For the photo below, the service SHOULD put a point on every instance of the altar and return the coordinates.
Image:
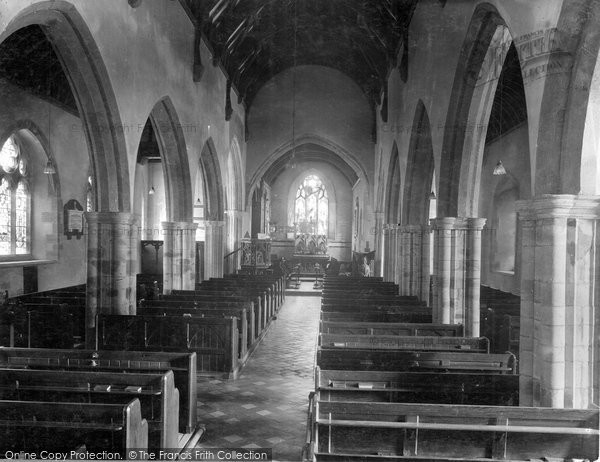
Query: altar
(310, 250)
(306, 264)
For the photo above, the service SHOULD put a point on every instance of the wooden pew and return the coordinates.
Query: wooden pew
(42, 326)
(405, 343)
(208, 297)
(363, 291)
(248, 290)
(41, 426)
(378, 316)
(450, 432)
(245, 323)
(390, 328)
(390, 360)
(417, 387)
(493, 325)
(271, 284)
(202, 300)
(253, 311)
(338, 278)
(277, 279)
(349, 307)
(157, 394)
(214, 340)
(350, 299)
(183, 366)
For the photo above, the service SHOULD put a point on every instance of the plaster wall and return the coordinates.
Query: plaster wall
(59, 129)
(511, 149)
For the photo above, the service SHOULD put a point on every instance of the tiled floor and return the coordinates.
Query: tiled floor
(266, 407)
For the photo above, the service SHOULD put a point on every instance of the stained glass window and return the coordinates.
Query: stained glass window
(21, 218)
(14, 201)
(312, 207)
(9, 156)
(5, 218)
(89, 197)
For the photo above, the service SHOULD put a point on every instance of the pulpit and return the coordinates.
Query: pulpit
(256, 254)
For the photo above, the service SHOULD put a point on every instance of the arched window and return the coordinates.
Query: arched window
(311, 211)
(14, 201)
(89, 195)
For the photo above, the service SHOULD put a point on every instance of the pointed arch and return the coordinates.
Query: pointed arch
(419, 173)
(96, 102)
(393, 188)
(577, 123)
(173, 153)
(212, 181)
(459, 120)
(236, 187)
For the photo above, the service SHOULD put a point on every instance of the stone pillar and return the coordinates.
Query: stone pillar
(473, 276)
(388, 258)
(214, 249)
(560, 325)
(378, 243)
(395, 253)
(179, 256)
(443, 243)
(401, 259)
(457, 269)
(110, 267)
(414, 261)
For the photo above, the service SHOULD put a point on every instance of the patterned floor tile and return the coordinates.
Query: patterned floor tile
(269, 401)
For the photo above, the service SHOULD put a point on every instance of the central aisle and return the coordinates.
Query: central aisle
(266, 407)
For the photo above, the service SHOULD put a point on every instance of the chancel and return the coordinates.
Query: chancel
(300, 230)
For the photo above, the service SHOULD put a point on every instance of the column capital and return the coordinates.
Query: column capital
(559, 206)
(444, 223)
(418, 229)
(115, 218)
(476, 223)
(458, 223)
(178, 225)
(213, 224)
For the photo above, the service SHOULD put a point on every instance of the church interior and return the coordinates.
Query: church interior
(300, 230)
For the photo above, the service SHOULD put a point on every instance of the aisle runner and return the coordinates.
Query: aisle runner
(267, 405)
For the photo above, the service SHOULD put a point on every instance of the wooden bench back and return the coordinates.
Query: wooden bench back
(390, 360)
(390, 328)
(378, 316)
(183, 366)
(157, 394)
(214, 340)
(374, 306)
(463, 432)
(56, 423)
(417, 387)
(407, 343)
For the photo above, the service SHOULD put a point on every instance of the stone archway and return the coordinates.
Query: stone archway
(419, 174)
(460, 119)
(214, 215)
